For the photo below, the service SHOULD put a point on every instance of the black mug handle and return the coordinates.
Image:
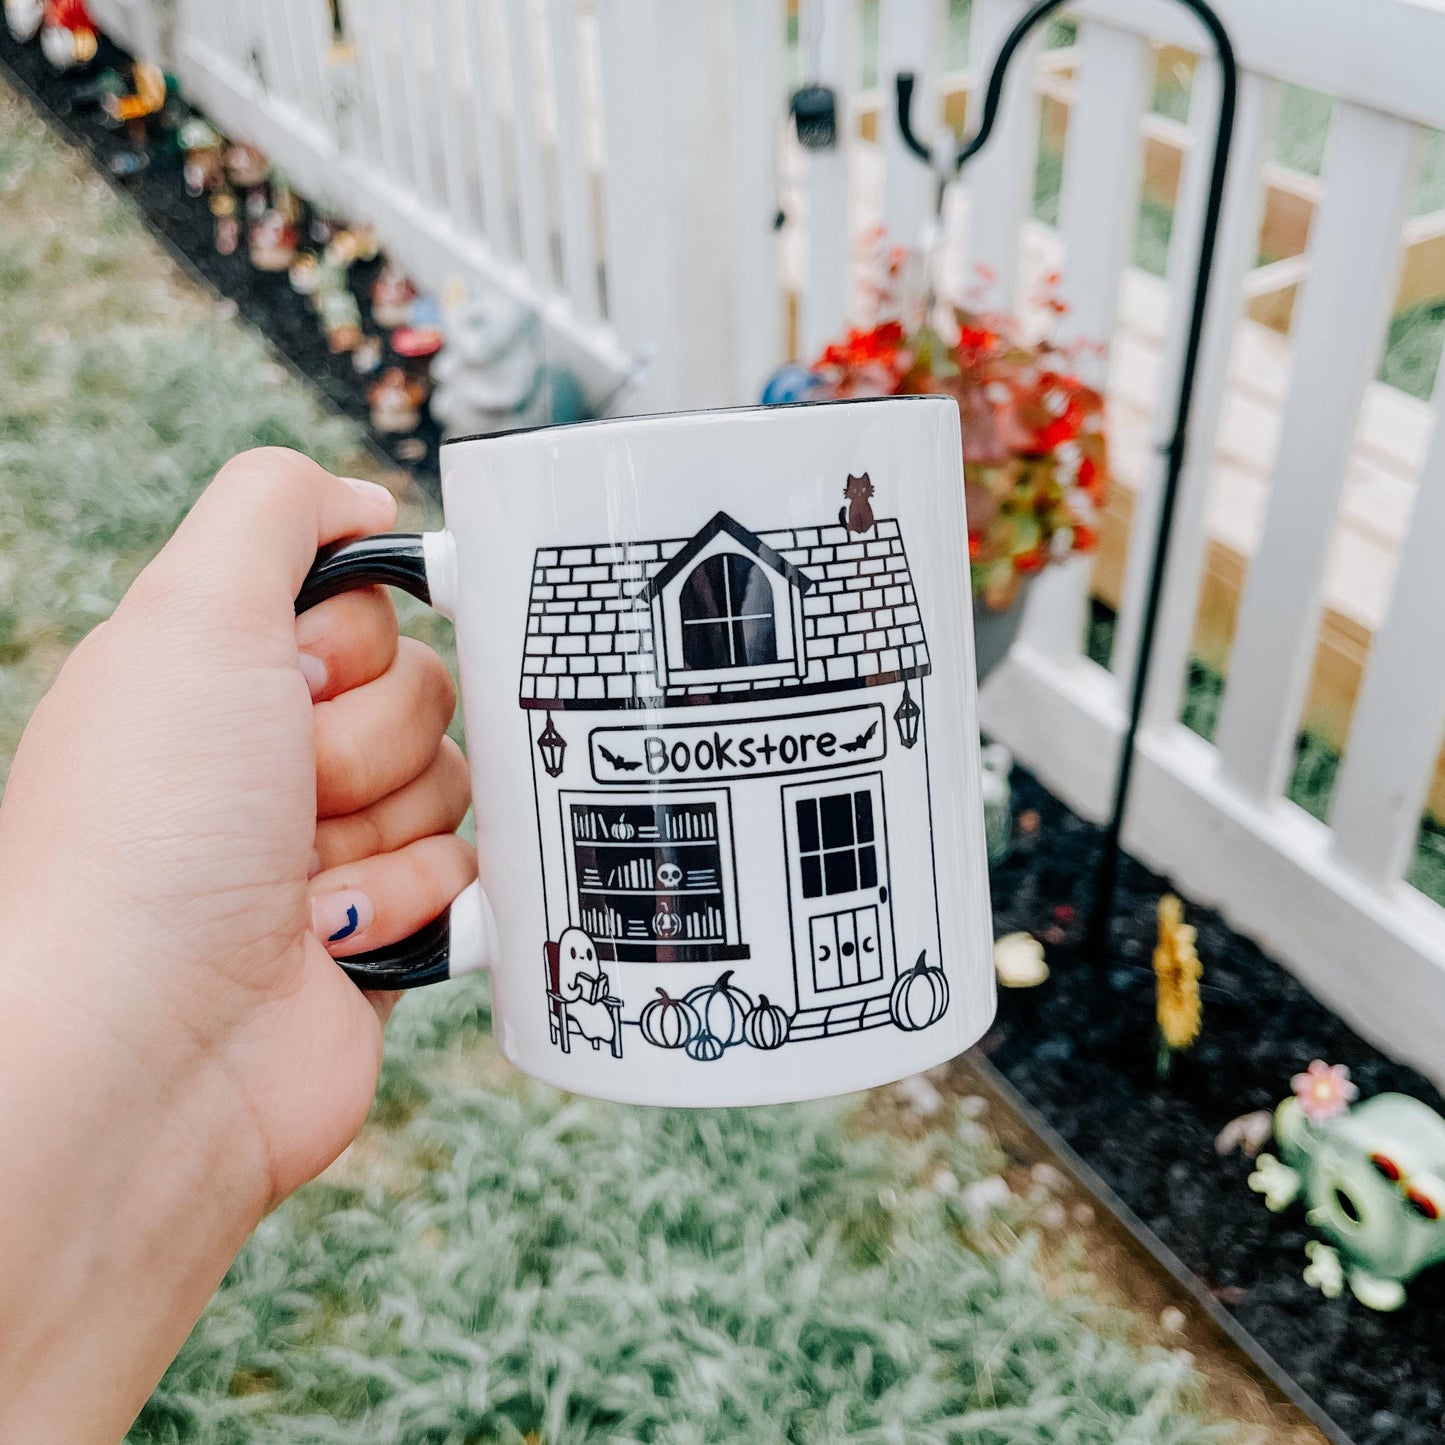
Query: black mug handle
(462, 938)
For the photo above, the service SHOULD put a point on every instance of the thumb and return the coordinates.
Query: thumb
(254, 532)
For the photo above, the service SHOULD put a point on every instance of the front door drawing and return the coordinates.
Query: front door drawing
(842, 924)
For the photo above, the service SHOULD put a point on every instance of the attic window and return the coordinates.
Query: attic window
(726, 605)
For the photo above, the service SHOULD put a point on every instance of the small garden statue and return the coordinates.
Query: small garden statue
(273, 242)
(1372, 1176)
(22, 19)
(391, 298)
(68, 36)
(204, 169)
(492, 376)
(246, 167)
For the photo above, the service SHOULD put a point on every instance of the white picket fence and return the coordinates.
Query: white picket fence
(618, 164)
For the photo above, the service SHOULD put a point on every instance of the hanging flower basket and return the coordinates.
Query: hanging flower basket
(1035, 459)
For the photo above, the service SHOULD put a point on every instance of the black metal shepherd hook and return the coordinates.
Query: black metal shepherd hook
(1106, 877)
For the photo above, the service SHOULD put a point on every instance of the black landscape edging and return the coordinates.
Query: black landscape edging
(184, 226)
(1094, 1185)
(1084, 1061)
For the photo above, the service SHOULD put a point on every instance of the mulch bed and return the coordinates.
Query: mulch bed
(185, 224)
(1081, 1049)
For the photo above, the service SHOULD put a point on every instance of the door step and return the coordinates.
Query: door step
(841, 1018)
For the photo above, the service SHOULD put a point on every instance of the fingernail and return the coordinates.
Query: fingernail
(314, 671)
(315, 864)
(374, 492)
(336, 916)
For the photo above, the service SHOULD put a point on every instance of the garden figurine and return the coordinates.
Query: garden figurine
(323, 228)
(246, 167)
(354, 243)
(391, 298)
(23, 19)
(492, 376)
(68, 36)
(793, 383)
(1018, 960)
(134, 107)
(228, 223)
(997, 800)
(304, 273)
(395, 402)
(203, 169)
(417, 345)
(366, 355)
(272, 242)
(341, 319)
(1372, 1176)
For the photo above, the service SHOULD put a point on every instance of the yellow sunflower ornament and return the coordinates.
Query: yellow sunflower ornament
(1176, 975)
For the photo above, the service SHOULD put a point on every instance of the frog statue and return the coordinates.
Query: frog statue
(1373, 1180)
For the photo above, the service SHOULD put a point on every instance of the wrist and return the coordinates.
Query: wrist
(130, 1184)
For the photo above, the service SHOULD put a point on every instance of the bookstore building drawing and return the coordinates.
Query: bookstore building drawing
(730, 756)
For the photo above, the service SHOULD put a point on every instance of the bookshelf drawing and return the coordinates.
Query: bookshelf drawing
(651, 878)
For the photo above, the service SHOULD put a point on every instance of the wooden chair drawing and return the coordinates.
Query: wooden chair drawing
(562, 1024)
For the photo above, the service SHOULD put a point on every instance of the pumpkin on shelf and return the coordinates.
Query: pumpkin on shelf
(920, 996)
(766, 1027)
(622, 830)
(722, 1008)
(669, 1023)
(665, 922)
(705, 1047)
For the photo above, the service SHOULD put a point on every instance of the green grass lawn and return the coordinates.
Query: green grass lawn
(491, 1261)
(509, 1265)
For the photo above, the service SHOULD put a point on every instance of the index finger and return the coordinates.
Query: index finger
(254, 532)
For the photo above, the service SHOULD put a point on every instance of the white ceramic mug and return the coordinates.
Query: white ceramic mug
(717, 679)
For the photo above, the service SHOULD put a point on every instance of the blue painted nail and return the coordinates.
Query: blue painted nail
(336, 916)
(349, 927)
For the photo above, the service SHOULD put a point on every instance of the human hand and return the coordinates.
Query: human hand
(179, 1049)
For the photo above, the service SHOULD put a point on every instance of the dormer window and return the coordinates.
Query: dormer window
(727, 610)
(728, 616)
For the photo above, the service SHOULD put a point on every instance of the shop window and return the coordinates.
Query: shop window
(726, 605)
(837, 849)
(654, 880)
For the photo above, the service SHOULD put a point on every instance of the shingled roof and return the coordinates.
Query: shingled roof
(590, 627)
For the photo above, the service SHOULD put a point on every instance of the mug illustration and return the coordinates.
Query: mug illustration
(730, 763)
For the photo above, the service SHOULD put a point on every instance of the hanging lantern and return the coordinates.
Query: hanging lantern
(907, 717)
(814, 110)
(553, 747)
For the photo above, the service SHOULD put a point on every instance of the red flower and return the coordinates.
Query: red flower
(1085, 538)
(858, 348)
(1030, 561)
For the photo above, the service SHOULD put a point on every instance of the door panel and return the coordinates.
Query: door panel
(842, 930)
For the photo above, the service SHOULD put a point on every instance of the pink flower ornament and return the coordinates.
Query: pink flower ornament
(1324, 1091)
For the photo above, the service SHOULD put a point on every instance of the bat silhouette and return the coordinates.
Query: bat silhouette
(861, 741)
(621, 764)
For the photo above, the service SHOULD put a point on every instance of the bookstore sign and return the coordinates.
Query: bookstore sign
(749, 748)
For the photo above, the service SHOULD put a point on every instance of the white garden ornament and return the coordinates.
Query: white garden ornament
(1018, 959)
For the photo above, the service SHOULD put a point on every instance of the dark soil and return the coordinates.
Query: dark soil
(1081, 1049)
(185, 223)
